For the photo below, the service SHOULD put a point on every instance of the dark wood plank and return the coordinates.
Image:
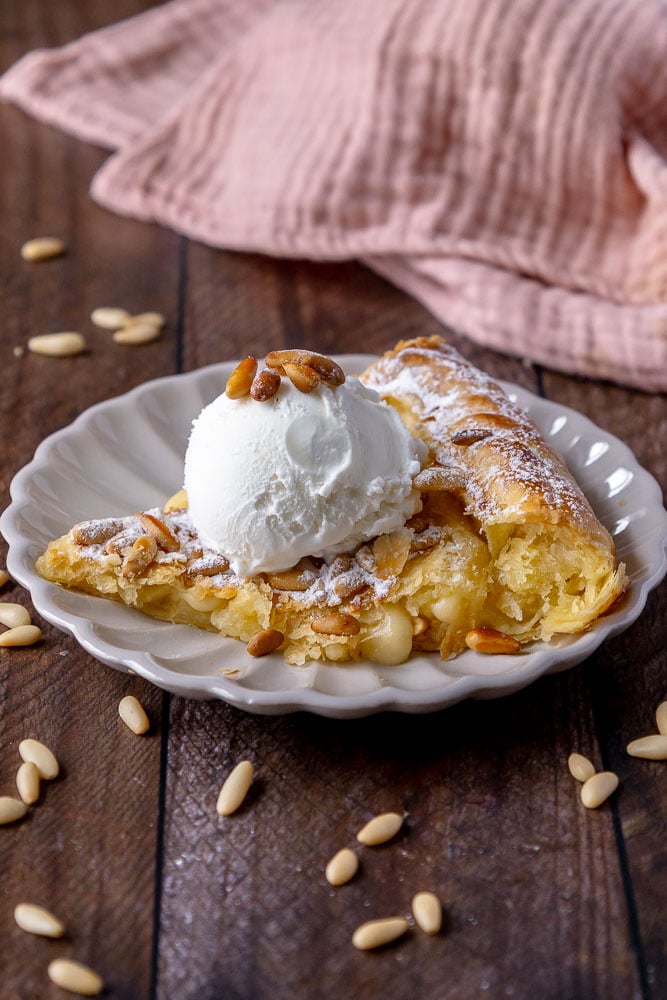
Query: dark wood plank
(88, 849)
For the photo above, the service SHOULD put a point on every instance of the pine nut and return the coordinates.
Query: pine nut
(427, 911)
(75, 977)
(240, 381)
(154, 318)
(22, 635)
(661, 718)
(57, 345)
(264, 642)
(11, 809)
(336, 624)
(303, 377)
(580, 767)
(179, 501)
(34, 752)
(380, 829)
(137, 333)
(290, 579)
(375, 933)
(264, 385)
(109, 317)
(133, 715)
(162, 533)
(597, 789)
(491, 641)
(42, 248)
(235, 789)
(649, 747)
(13, 615)
(326, 367)
(27, 782)
(138, 556)
(37, 920)
(342, 867)
(4, 577)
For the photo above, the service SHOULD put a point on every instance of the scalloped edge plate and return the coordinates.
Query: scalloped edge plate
(126, 454)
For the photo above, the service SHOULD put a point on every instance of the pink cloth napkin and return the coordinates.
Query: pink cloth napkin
(504, 161)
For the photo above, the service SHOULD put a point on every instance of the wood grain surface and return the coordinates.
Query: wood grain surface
(167, 900)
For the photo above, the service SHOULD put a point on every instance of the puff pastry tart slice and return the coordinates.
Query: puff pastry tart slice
(505, 545)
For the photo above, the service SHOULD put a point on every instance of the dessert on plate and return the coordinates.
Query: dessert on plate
(339, 518)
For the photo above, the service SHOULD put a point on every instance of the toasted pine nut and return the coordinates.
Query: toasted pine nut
(96, 532)
(162, 533)
(580, 767)
(235, 788)
(240, 381)
(22, 635)
(342, 867)
(264, 385)
(380, 829)
(661, 718)
(154, 318)
(37, 920)
(42, 248)
(57, 345)
(44, 759)
(138, 556)
(179, 501)
(264, 642)
(375, 933)
(491, 641)
(4, 577)
(137, 333)
(598, 788)
(133, 715)
(326, 367)
(109, 317)
(649, 747)
(13, 615)
(290, 579)
(427, 911)
(11, 809)
(303, 377)
(27, 782)
(336, 624)
(471, 436)
(75, 977)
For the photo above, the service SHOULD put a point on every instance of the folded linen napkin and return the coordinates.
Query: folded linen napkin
(504, 161)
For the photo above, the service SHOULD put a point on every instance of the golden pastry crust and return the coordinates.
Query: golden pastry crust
(505, 540)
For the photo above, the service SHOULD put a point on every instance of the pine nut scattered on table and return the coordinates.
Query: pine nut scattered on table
(75, 977)
(235, 789)
(661, 718)
(4, 577)
(580, 767)
(427, 911)
(11, 809)
(375, 933)
(37, 920)
(133, 715)
(380, 829)
(22, 635)
(38, 754)
(652, 747)
(42, 248)
(27, 782)
(597, 789)
(343, 866)
(109, 317)
(13, 615)
(64, 344)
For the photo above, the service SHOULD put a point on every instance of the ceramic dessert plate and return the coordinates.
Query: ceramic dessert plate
(126, 454)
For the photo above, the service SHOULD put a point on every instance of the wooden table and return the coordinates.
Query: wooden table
(543, 899)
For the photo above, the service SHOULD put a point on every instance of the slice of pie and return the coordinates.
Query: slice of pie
(505, 550)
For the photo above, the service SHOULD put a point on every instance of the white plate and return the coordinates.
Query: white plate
(126, 454)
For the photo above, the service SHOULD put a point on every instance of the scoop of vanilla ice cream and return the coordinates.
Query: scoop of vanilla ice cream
(299, 474)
